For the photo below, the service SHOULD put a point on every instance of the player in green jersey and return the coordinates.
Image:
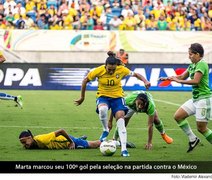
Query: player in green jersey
(201, 102)
(142, 102)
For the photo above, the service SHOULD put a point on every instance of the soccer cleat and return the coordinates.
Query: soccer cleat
(19, 101)
(193, 144)
(130, 145)
(125, 153)
(84, 137)
(103, 136)
(166, 138)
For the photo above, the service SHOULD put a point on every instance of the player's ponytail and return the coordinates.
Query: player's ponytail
(112, 59)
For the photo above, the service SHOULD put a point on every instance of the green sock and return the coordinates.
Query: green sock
(208, 135)
(160, 127)
(183, 124)
(116, 134)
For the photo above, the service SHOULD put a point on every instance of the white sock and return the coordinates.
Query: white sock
(103, 117)
(122, 133)
(117, 143)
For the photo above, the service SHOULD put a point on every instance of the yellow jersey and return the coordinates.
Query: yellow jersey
(109, 85)
(50, 141)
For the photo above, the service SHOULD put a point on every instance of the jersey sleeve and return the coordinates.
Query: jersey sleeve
(201, 67)
(127, 71)
(92, 74)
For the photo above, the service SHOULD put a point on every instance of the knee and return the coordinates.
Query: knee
(103, 111)
(177, 117)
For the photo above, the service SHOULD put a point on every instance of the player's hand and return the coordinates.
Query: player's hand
(110, 125)
(79, 101)
(147, 84)
(148, 146)
(72, 145)
(174, 78)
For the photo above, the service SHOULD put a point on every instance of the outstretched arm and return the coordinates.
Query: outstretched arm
(65, 134)
(142, 78)
(195, 81)
(183, 76)
(83, 88)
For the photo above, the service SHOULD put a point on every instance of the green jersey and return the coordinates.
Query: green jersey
(130, 102)
(201, 90)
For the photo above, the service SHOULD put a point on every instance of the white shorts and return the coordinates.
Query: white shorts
(201, 109)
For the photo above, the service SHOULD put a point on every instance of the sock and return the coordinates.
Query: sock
(116, 134)
(6, 96)
(208, 135)
(117, 143)
(186, 129)
(160, 127)
(122, 133)
(103, 117)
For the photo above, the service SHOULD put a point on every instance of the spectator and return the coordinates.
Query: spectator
(41, 22)
(115, 22)
(30, 6)
(67, 20)
(162, 24)
(130, 22)
(76, 23)
(19, 9)
(126, 11)
(140, 20)
(151, 24)
(99, 25)
(29, 23)
(10, 17)
(20, 23)
(123, 56)
(1, 8)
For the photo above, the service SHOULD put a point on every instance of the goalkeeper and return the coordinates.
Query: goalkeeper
(142, 102)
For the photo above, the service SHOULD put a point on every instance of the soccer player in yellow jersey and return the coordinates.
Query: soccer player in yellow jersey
(4, 96)
(110, 95)
(59, 139)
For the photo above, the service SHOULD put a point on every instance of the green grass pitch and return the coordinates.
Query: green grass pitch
(46, 111)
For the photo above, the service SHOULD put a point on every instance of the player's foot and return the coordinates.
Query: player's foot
(166, 138)
(84, 137)
(130, 145)
(125, 153)
(193, 144)
(103, 136)
(19, 101)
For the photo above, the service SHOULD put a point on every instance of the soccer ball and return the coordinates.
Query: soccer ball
(108, 148)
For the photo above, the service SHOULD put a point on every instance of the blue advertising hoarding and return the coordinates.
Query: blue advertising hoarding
(70, 76)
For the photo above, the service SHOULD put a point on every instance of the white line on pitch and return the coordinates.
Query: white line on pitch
(167, 102)
(48, 127)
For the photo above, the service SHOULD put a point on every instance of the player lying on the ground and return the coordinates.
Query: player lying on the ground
(142, 102)
(59, 139)
(4, 96)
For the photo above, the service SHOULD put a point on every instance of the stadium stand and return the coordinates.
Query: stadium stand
(179, 15)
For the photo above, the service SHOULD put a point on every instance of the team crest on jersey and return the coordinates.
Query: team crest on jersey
(117, 76)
